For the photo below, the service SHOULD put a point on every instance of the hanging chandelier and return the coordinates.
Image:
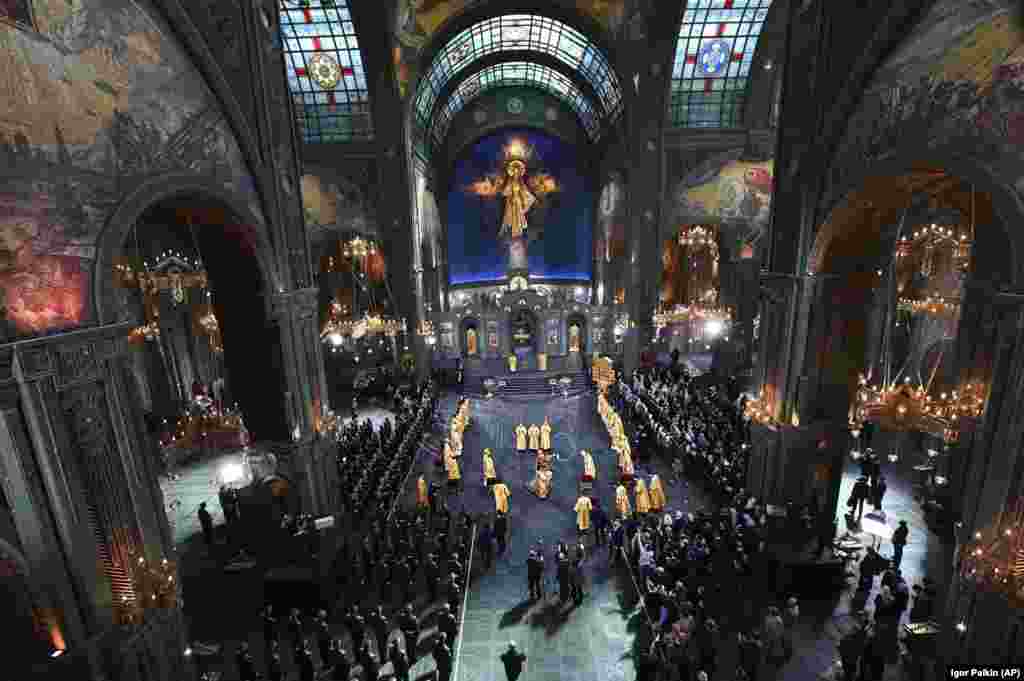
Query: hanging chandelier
(681, 314)
(995, 559)
(937, 255)
(699, 236)
(358, 248)
(901, 407)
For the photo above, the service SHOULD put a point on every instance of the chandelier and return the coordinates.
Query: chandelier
(901, 406)
(934, 305)
(936, 256)
(759, 410)
(698, 236)
(358, 248)
(680, 314)
(995, 559)
(150, 331)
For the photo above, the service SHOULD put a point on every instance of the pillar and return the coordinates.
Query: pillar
(307, 458)
(86, 499)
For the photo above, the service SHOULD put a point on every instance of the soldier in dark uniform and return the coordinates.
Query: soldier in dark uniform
(307, 669)
(269, 627)
(356, 627)
(323, 637)
(378, 622)
(369, 662)
(432, 572)
(275, 672)
(295, 629)
(399, 662)
(447, 624)
(243, 660)
(342, 668)
(410, 627)
(443, 658)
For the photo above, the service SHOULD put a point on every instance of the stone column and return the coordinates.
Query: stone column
(307, 457)
(86, 501)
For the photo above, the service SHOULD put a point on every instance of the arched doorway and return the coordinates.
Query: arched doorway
(903, 312)
(213, 232)
(526, 340)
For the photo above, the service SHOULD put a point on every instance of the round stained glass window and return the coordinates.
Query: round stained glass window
(713, 57)
(515, 105)
(324, 69)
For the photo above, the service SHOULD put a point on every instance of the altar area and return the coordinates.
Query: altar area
(549, 328)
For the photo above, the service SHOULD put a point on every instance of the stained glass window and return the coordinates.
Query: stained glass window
(714, 52)
(16, 12)
(519, 32)
(325, 71)
(507, 74)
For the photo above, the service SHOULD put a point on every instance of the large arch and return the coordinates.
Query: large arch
(148, 194)
(243, 281)
(1006, 201)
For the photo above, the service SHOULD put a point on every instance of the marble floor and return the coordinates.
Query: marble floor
(596, 640)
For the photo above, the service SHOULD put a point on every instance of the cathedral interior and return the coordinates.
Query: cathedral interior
(485, 339)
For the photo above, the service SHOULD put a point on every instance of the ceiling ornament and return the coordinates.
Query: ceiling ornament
(325, 70)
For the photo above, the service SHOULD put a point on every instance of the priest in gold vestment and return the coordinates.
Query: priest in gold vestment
(545, 435)
(583, 508)
(657, 492)
(541, 484)
(422, 497)
(489, 474)
(626, 470)
(501, 497)
(589, 469)
(512, 363)
(622, 506)
(521, 437)
(534, 433)
(451, 466)
(643, 500)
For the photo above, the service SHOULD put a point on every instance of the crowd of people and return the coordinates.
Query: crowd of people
(399, 579)
(373, 463)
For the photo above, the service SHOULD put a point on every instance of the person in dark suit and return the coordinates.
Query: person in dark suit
(899, 540)
(275, 671)
(878, 489)
(514, 661)
(206, 522)
(307, 669)
(859, 495)
(501, 532)
(378, 622)
(487, 545)
(410, 627)
(535, 574)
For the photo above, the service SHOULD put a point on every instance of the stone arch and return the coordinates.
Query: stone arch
(150, 193)
(241, 268)
(1006, 201)
(580, 321)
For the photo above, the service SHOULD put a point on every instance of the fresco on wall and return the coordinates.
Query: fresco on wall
(956, 83)
(560, 224)
(102, 99)
(728, 190)
(416, 21)
(335, 204)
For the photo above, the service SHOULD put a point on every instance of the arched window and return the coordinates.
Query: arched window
(518, 33)
(715, 49)
(505, 74)
(325, 71)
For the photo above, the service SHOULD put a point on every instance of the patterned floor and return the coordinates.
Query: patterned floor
(594, 641)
